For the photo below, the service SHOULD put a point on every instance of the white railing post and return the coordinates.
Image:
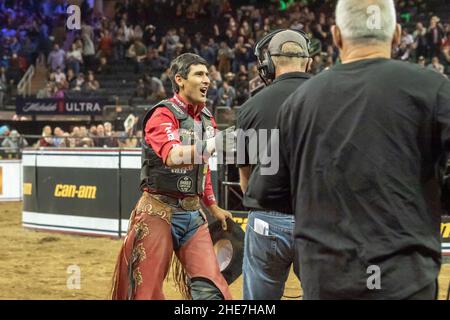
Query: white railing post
(24, 86)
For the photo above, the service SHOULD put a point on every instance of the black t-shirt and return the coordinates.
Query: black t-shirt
(259, 112)
(360, 144)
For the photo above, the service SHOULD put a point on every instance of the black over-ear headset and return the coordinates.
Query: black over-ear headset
(266, 67)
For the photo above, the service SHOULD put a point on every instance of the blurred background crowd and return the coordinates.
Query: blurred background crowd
(122, 53)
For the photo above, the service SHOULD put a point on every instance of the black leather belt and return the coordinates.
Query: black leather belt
(190, 203)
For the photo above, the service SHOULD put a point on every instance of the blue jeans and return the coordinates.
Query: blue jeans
(184, 226)
(268, 257)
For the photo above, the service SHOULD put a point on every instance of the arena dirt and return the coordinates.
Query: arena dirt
(34, 265)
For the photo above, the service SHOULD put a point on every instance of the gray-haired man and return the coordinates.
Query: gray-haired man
(360, 143)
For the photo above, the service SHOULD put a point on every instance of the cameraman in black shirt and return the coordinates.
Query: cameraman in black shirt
(361, 143)
(269, 243)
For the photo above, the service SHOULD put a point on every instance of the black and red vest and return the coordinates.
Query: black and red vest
(156, 176)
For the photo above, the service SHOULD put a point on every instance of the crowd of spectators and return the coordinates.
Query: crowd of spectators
(11, 143)
(98, 136)
(148, 34)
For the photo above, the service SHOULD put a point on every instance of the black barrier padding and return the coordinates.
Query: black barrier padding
(29, 178)
(104, 205)
(130, 193)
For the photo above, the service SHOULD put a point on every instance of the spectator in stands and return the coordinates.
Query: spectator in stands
(46, 92)
(420, 40)
(435, 65)
(56, 58)
(87, 31)
(14, 73)
(14, 143)
(156, 89)
(88, 51)
(207, 52)
(58, 137)
(71, 79)
(91, 84)
(74, 58)
(65, 143)
(46, 140)
(213, 95)
(105, 44)
(108, 129)
(172, 42)
(127, 32)
(79, 82)
(84, 140)
(138, 54)
(103, 67)
(242, 91)
(156, 62)
(4, 131)
(149, 36)
(230, 77)
(224, 57)
(120, 44)
(14, 46)
(215, 75)
(59, 90)
(227, 94)
(446, 58)
(112, 136)
(60, 77)
(421, 61)
(403, 52)
(318, 64)
(165, 79)
(83, 131)
(75, 137)
(138, 33)
(99, 138)
(141, 90)
(92, 131)
(434, 37)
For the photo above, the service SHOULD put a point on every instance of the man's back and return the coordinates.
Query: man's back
(362, 159)
(259, 113)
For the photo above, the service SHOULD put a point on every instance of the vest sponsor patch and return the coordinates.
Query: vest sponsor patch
(184, 184)
(209, 132)
(181, 170)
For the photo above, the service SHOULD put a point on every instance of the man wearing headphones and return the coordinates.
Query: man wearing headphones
(269, 244)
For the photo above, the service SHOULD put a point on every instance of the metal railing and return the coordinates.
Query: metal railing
(24, 86)
(14, 150)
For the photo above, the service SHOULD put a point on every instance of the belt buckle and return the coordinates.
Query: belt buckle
(190, 203)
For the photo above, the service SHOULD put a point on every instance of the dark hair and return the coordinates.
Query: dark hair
(181, 65)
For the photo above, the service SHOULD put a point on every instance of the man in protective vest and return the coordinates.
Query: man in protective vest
(179, 136)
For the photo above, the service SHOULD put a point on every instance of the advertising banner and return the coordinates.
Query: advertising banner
(10, 180)
(33, 106)
(445, 232)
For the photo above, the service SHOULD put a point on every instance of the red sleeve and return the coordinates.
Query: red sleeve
(161, 132)
(208, 195)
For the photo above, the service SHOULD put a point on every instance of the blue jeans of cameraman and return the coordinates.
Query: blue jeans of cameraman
(268, 256)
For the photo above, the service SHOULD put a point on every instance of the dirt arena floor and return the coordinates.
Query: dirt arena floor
(34, 265)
